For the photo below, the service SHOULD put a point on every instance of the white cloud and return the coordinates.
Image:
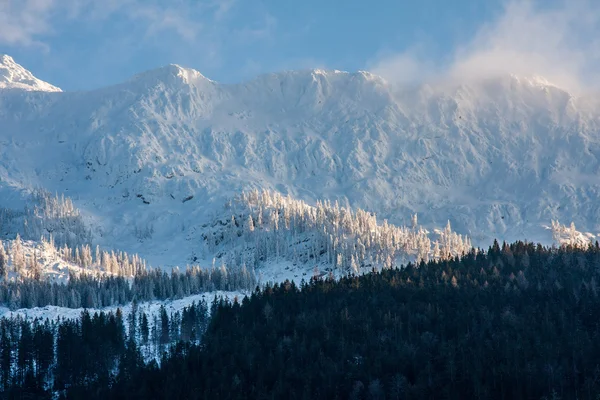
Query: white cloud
(22, 22)
(29, 22)
(264, 30)
(559, 42)
(404, 68)
(160, 19)
(222, 8)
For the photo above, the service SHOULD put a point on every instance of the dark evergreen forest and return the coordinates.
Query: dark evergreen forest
(518, 321)
(39, 359)
(88, 291)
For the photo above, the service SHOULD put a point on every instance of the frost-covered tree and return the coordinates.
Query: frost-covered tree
(35, 267)
(285, 228)
(3, 262)
(18, 258)
(354, 266)
(32, 259)
(569, 236)
(250, 223)
(57, 216)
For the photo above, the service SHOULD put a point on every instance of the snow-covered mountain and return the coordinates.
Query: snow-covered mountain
(148, 161)
(14, 76)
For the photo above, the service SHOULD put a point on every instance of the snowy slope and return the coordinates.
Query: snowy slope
(14, 76)
(150, 160)
(284, 238)
(52, 266)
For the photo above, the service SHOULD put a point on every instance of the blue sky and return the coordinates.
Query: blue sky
(84, 44)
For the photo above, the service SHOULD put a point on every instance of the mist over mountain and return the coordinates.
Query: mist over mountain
(161, 152)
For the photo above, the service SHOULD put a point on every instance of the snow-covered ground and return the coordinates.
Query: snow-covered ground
(148, 161)
(151, 308)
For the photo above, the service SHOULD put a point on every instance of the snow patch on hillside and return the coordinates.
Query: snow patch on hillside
(151, 308)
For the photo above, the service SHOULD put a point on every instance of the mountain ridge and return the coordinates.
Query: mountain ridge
(189, 75)
(500, 158)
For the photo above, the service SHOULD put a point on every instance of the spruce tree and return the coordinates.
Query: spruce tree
(3, 263)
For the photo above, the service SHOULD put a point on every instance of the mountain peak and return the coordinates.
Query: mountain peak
(14, 76)
(171, 73)
(534, 80)
(525, 80)
(6, 59)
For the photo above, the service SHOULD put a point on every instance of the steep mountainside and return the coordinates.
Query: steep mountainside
(148, 161)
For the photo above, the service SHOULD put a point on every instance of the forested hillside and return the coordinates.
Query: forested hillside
(327, 201)
(42, 357)
(265, 228)
(514, 322)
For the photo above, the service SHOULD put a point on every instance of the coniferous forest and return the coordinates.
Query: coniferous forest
(517, 321)
(88, 291)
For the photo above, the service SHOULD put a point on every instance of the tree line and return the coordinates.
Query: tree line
(98, 291)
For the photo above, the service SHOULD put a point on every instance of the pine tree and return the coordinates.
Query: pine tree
(18, 257)
(36, 268)
(144, 328)
(164, 327)
(3, 263)
(250, 223)
(132, 319)
(43, 347)
(5, 354)
(354, 266)
(25, 351)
